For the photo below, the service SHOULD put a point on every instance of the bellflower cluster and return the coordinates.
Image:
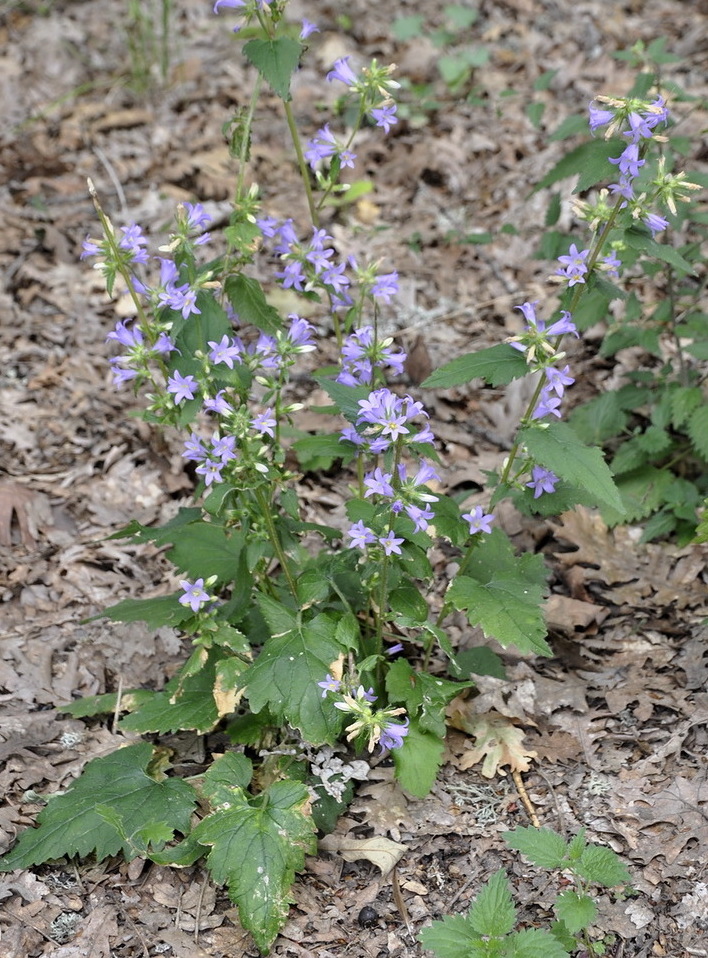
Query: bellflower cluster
(324, 146)
(637, 121)
(374, 87)
(248, 9)
(374, 725)
(211, 458)
(362, 353)
(384, 418)
(139, 354)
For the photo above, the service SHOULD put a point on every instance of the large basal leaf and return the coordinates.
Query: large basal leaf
(497, 365)
(556, 447)
(76, 822)
(186, 704)
(256, 848)
(276, 61)
(285, 676)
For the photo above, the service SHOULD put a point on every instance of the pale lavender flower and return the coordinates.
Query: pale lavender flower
(194, 449)
(182, 387)
(223, 447)
(360, 535)
(385, 116)
(308, 28)
(599, 117)
(210, 471)
(421, 517)
(378, 483)
(558, 379)
(194, 595)
(226, 351)
(656, 223)
(548, 404)
(385, 286)
(478, 521)
(392, 734)
(218, 404)
(264, 423)
(391, 544)
(90, 247)
(612, 264)
(343, 72)
(330, 684)
(126, 337)
(628, 161)
(542, 480)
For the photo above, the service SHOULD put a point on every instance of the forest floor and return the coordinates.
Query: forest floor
(616, 719)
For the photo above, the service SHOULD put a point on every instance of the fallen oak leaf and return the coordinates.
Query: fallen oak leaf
(498, 741)
(380, 851)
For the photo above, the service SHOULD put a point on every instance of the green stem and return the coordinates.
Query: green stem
(302, 165)
(246, 138)
(267, 514)
(577, 293)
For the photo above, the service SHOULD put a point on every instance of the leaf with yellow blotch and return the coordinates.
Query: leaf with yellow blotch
(497, 741)
(380, 851)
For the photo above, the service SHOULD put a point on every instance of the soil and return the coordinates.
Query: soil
(616, 720)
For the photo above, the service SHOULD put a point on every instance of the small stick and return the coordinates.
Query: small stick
(524, 796)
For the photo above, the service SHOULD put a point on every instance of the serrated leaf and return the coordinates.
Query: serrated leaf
(423, 694)
(163, 610)
(418, 760)
(600, 419)
(496, 365)
(589, 161)
(232, 770)
(450, 938)
(557, 447)
(503, 594)
(602, 866)
(534, 943)
(248, 300)
(205, 548)
(70, 824)
(276, 61)
(319, 452)
(492, 913)
(643, 242)
(698, 431)
(643, 491)
(130, 700)
(684, 400)
(256, 848)
(285, 676)
(185, 704)
(346, 398)
(542, 846)
(576, 911)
